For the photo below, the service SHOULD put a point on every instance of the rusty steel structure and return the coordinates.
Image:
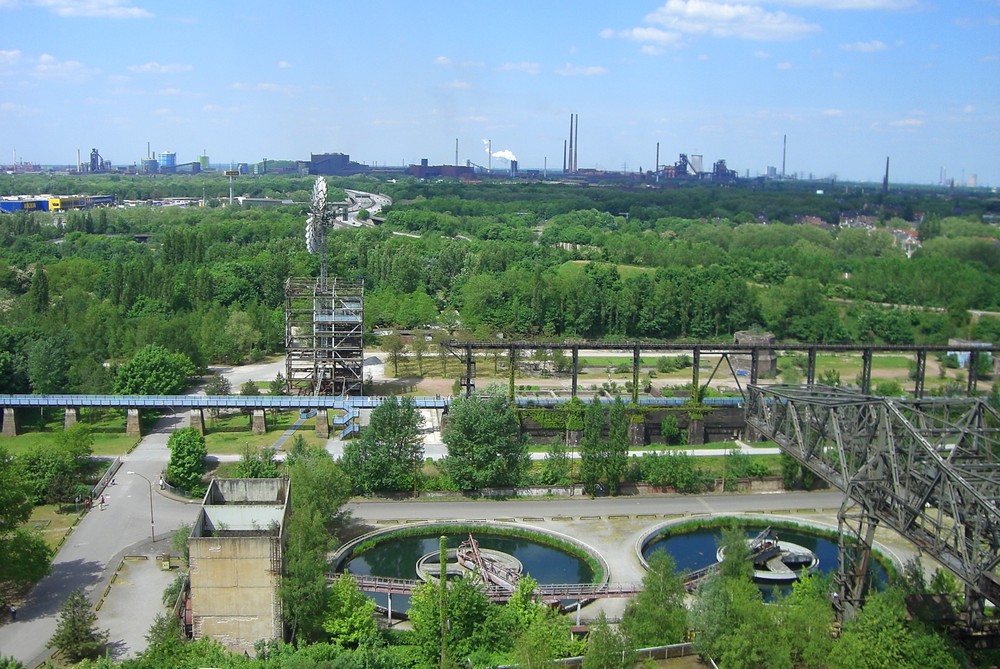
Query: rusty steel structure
(748, 361)
(324, 351)
(926, 468)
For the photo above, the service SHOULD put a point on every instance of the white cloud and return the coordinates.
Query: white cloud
(852, 4)
(9, 57)
(969, 109)
(284, 64)
(784, 66)
(442, 60)
(832, 112)
(105, 9)
(14, 109)
(266, 87)
(865, 47)
(761, 54)
(729, 19)
(169, 91)
(645, 35)
(153, 67)
(907, 123)
(49, 67)
(459, 85)
(523, 66)
(581, 70)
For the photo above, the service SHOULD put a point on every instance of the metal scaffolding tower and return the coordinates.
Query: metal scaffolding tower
(324, 352)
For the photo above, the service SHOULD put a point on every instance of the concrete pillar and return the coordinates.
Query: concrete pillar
(637, 434)
(696, 432)
(573, 437)
(9, 422)
(322, 424)
(133, 425)
(258, 422)
(71, 417)
(197, 420)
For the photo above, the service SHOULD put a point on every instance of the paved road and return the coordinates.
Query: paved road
(94, 550)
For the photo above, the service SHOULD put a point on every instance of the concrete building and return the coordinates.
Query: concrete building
(237, 559)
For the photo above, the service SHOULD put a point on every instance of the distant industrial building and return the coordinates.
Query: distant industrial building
(237, 560)
(426, 171)
(334, 164)
(29, 203)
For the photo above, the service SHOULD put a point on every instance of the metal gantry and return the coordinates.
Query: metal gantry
(927, 468)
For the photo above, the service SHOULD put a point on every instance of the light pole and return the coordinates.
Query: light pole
(152, 529)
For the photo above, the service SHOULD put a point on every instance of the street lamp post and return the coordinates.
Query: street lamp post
(152, 528)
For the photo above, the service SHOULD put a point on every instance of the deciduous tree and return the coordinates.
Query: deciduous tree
(154, 370)
(485, 444)
(390, 451)
(187, 459)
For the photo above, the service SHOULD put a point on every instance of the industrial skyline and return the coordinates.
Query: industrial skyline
(848, 82)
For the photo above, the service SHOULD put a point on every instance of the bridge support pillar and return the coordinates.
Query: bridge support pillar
(637, 434)
(197, 420)
(258, 422)
(388, 614)
(9, 422)
(696, 432)
(323, 424)
(133, 424)
(71, 417)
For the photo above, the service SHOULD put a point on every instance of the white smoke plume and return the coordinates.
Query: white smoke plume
(506, 154)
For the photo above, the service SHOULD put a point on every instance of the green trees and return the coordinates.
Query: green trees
(349, 614)
(607, 648)
(485, 444)
(390, 452)
(76, 635)
(591, 449)
(881, 636)
(187, 459)
(657, 615)
(154, 370)
(320, 488)
(394, 345)
(26, 556)
(618, 443)
(257, 463)
(51, 473)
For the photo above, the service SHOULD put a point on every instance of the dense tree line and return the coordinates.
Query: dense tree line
(80, 290)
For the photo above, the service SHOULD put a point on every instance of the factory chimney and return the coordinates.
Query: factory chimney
(571, 168)
(456, 152)
(784, 152)
(576, 143)
(885, 179)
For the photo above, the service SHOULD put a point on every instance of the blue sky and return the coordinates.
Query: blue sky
(849, 82)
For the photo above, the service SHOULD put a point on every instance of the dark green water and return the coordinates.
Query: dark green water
(696, 549)
(397, 558)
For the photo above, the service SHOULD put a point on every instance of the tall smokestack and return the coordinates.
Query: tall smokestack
(576, 143)
(456, 152)
(571, 169)
(885, 179)
(784, 152)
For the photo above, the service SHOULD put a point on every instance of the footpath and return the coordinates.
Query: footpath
(92, 554)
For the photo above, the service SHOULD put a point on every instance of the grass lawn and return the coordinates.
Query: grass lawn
(106, 426)
(53, 524)
(229, 434)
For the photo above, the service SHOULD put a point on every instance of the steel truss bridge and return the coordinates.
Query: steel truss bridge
(926, 468)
